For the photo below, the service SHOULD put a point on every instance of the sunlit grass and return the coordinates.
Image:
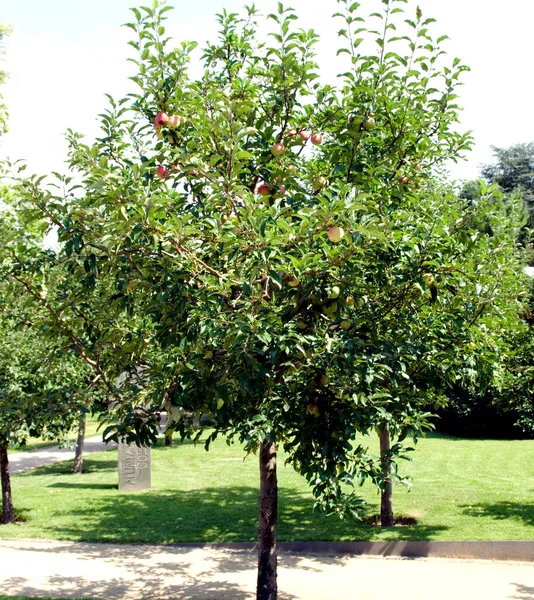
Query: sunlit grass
(462, 490)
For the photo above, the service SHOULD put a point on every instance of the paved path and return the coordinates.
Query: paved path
(67, 570)
(30, 459)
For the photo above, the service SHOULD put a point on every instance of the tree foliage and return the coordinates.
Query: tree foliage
(275, 251)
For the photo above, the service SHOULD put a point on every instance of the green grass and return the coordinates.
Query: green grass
(462, 490)
(91, 429)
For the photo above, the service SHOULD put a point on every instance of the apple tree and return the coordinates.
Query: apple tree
(299, 273)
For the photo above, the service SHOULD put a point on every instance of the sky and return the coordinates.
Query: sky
(64, 55)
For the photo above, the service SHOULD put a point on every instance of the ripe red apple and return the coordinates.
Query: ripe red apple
(335, 234)
(278, 149)
(291, 134)
(304, 135)
(317, 139)
(162, 172)
(263, 189)
(403, 180)
(161, 119)
(282, 190)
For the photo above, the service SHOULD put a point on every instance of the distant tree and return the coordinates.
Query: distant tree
(513, 171)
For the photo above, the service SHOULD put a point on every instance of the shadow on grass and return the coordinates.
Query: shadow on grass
(84, 486)
(501, 511)
(65, 467)
(205, 516)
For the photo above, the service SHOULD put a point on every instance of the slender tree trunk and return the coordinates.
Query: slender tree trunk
(8, 512)
(78, 455)
(168, 438)
(267, 561)
(386, 499)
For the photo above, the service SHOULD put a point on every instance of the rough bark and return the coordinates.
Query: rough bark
(8, 512)
(78, 454)
(168, 438)
(267, 560)
(386, 499)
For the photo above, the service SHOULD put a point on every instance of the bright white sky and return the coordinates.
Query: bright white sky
(65, 54)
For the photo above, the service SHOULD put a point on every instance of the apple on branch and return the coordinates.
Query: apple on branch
(335, 234)
(278, 149)
(263, 189)
(162, 172)
(161, 119)
(318, 183)
(316, 139)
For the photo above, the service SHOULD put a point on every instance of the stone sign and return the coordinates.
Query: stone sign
(134, 468)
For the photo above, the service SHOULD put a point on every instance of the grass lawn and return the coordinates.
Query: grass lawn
(462, 490)
(91, 429)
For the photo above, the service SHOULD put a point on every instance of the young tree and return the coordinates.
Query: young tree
(293, 267)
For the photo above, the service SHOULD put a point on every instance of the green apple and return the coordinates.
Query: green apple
(336, 290)
(318, 183)
(335, 234)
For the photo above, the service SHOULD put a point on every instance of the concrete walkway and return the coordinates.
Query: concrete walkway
(30, 459)
(68, 570)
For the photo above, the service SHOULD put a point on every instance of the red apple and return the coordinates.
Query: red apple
(291, 134)
(263, 189)
(317, 139)
(282, 190)
(161, 119)
(162, 172)
(403, 180)
(278, 149)
(304, 135)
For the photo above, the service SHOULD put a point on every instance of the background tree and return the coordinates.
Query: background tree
(513, 171)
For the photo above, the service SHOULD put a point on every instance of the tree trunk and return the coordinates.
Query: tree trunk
(386, 496)
(8, 513)
(78, 455)
(168, 438)
(267, 561)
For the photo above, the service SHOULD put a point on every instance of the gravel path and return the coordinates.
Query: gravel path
(67, 570)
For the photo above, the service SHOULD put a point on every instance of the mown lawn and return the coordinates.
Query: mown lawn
(462, 490)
